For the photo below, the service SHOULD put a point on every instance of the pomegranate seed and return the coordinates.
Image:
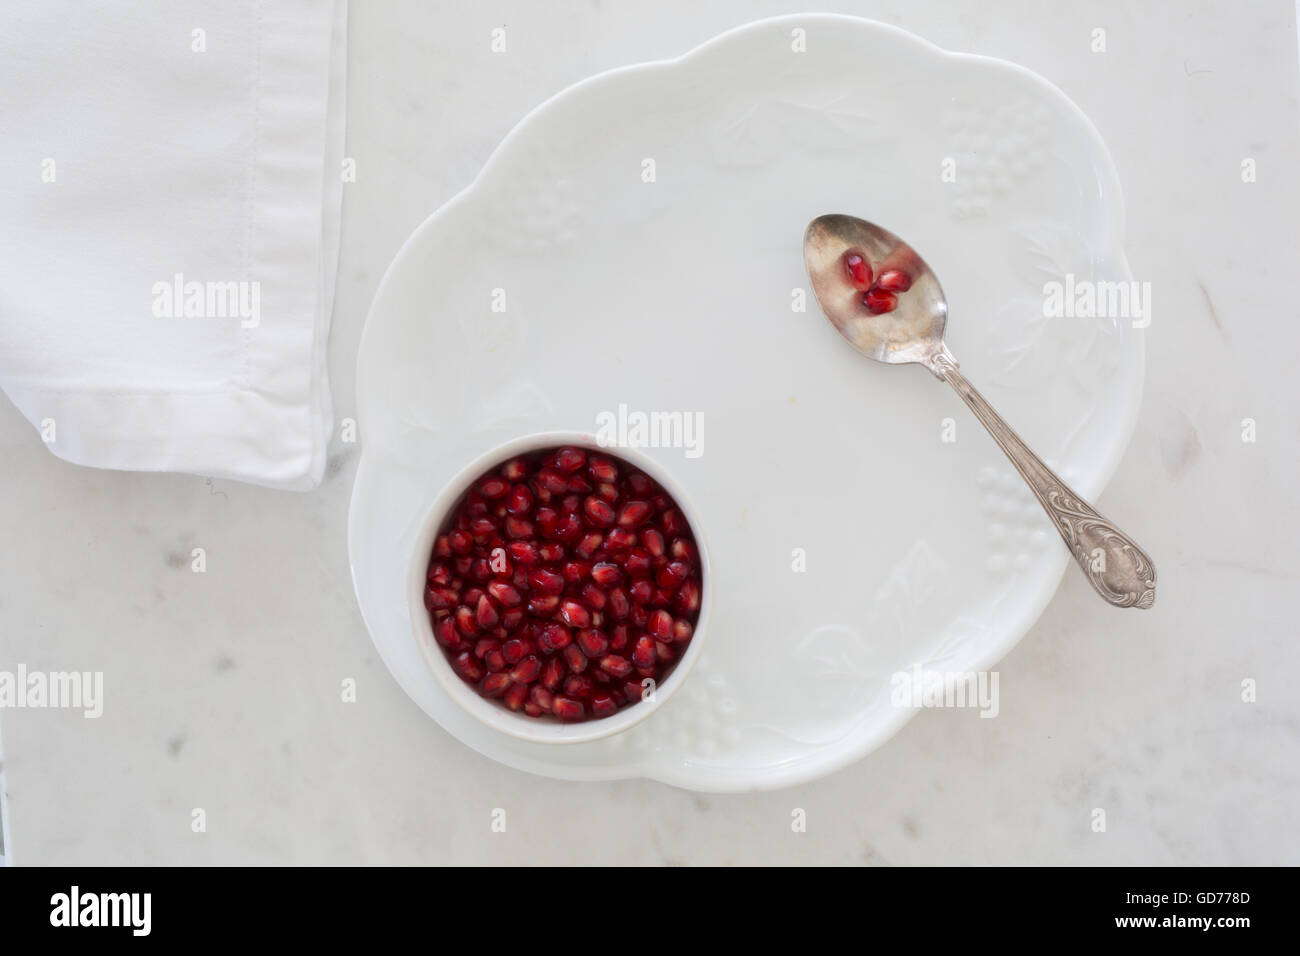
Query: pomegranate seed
(551, 552)
(687, 599)
(589, 545)
(661, 625)
(516, 696)
(460, 542)
(621, 638)
(640, 484)
(439, 599)
(602, 469)
(494, 685)
(492, 487)
(574, 657)
(527, 670)
(524, 552)
(672, 522)
(465, 621)
(512, 618)
(620, 539)
(504, 594)
(672, 574)
(608, 490)
(547, 519)
(446, 633)
(578, 686)
(575, 571)
(605, 573)
(638, 563)
(682, 630)
(515, 650)
(592, 642)
(620, 605)
(615, 665)
(472, 595)
(570, 459)
(878, 302)
(894, 280)
(602, 705)
(543, 605)
(545, 581)
(643, 655)
(552, 673)
(520, 501)
(664, 652)
(642, 591)
(532, 710)
(514, 469)
(683, 549)
(633, 513)
(552, 481)
(569, 504)
(574, 614)
(568, 528)
(599, 511)
(633, 690)
(486, 614)
(494, 660)
(439, 573)
(593, 597)
(653, 541)
(554, 637)
(467, 667)
(859, 269)
(579, 484)
(566, 708)
(442, 547)
(541, 698)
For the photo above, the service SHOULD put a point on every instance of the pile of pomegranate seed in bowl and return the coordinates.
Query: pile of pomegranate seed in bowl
(562, 588)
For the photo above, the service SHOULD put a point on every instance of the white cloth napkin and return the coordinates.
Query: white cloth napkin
(170, 192)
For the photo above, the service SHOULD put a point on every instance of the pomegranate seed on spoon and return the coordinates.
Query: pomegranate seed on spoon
(878, 301)
(894, 280)
(858, 269)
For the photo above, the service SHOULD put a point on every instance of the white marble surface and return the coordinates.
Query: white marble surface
(222, 689)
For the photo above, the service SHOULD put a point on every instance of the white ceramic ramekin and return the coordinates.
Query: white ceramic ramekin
(493, 713)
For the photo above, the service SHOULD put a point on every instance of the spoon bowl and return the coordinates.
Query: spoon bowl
(911, 333)
(888, 304)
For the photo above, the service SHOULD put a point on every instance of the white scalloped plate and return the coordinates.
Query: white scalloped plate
(678, 294)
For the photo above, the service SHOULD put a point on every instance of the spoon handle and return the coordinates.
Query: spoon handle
(1119, 570)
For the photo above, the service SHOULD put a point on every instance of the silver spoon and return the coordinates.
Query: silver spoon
(911, 331)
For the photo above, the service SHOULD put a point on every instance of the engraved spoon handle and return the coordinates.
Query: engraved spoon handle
(1119, 570)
